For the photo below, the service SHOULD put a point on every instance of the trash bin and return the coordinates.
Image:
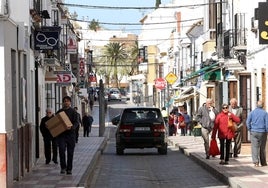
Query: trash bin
(197, 130)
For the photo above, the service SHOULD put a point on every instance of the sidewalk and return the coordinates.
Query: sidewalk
(87, 151)
(240, 173)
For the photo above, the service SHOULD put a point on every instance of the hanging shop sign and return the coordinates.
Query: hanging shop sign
(47, 38)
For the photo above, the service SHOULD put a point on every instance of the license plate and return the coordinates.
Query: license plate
(142, 128)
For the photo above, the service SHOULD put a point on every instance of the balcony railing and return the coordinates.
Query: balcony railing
(236, 39)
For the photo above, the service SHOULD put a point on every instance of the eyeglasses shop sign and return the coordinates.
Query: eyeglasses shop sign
(46, 40)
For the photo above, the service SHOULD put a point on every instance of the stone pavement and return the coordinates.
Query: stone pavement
(240, 173)
(87, 151)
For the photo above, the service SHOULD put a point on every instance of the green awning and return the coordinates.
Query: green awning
(202, 71)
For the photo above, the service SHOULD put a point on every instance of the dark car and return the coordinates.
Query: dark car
(140, 127)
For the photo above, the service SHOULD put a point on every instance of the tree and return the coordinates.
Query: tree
(74, 15)
(134, 54)
(116, 55)
(157, 3)
(94, 25)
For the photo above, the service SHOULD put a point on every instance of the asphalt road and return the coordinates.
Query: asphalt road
(146, 168)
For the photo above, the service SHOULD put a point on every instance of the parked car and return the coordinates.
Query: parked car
(114, 95)
(140, 127)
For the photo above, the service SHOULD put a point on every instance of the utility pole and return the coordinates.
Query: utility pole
(102, 104)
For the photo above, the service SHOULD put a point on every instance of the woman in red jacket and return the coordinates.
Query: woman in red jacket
(225, 134)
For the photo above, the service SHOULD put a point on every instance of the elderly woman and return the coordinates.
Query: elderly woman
(225, 134)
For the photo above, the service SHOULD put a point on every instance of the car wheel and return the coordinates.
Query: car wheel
(119, 151)
(162, 150)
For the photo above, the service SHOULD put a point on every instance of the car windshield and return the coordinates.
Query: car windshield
(135, 115)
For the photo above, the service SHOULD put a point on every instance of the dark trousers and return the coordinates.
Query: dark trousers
(66, 141)
(87, 130)
(48, 145)
(225, 147)
(183, 131)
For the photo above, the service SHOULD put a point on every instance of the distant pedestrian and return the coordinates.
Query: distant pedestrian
(91, 104)
(180, 123)
(77, 128)
(187, 119)
(257, 124)
(238, 111)
(66, 140)
(225, 134)
(165, 115)
(205, 117)
(87, 121)
(49, 141)
(172, 130)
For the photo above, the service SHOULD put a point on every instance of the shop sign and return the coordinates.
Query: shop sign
(47, 38)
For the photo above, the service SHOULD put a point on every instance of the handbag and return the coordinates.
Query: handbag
(213, 148)
(232, 125)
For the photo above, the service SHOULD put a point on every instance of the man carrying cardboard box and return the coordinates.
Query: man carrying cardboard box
(67, 138)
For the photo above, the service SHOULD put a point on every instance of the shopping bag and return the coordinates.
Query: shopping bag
(213, 149)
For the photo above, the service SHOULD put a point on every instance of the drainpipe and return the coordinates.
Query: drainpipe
(37, 110)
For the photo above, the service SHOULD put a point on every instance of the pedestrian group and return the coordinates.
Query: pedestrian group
(64, 143)
(227, 126)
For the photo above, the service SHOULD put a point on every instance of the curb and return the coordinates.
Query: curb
(89, 172)
(197, 159)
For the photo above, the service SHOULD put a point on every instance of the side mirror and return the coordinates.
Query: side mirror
(116, 119)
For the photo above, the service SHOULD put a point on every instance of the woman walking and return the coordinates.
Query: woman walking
(225, 133)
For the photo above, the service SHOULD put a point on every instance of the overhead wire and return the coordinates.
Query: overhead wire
(134, 8)
(139, 8)
(155, 23)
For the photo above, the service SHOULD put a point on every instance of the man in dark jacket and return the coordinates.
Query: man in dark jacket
(87, 123)
(67, 138)
(48, 139)
(77, 128)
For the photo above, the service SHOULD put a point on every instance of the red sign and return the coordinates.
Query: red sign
(160, 83)
(64, 78)
(81, 67)
(92, 78)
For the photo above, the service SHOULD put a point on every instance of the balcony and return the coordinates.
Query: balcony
(234, 40)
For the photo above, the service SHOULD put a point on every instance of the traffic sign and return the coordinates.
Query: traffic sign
(171, 78)
(160, 83)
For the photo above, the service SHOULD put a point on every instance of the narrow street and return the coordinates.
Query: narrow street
(146, 168)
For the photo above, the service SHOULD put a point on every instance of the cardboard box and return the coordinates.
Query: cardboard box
(58, 124)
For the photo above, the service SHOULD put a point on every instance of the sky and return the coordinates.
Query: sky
(114, 16)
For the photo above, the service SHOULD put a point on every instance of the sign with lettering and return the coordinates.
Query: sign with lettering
(47, 38)
(64, 78)
(160, 83)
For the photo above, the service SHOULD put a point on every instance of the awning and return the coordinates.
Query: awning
(187, 94)
(185, 97)
(202, 71)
